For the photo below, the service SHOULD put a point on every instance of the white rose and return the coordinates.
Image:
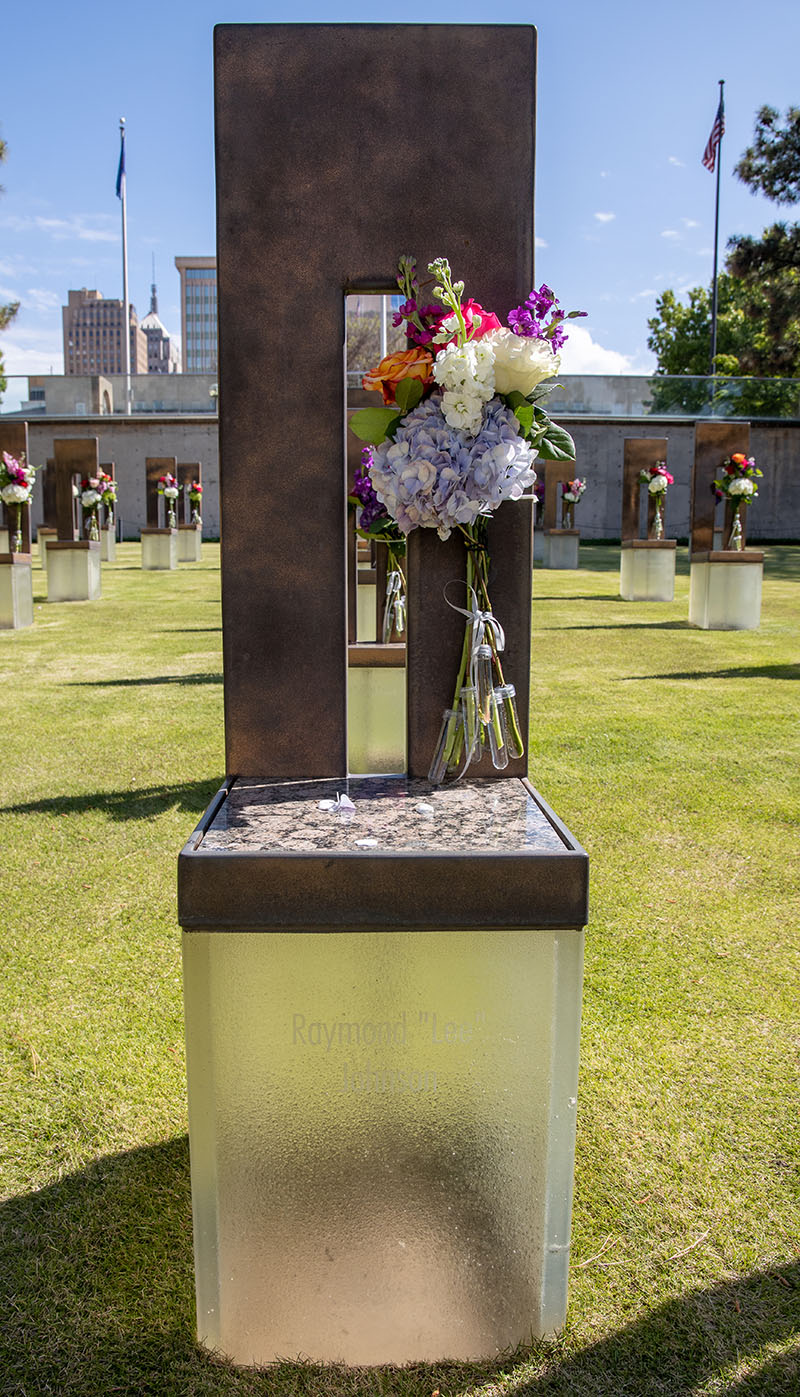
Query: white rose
(520, 363)
(741, 487)
(89, 498)
(657, 485)
(15, 494)
(170, 492)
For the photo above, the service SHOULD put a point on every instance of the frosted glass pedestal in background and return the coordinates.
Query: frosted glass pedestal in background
(16, 591)
(366, 601)
(647, 569)
(43, 537)
(376, 717)
(73, 571)
(159, 550)
(382, 1056)
(190, 543)
(5, 540)
(725, 591)
(560, 548)
(108, 546)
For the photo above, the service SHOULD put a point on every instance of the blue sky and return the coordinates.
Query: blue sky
(627, 94)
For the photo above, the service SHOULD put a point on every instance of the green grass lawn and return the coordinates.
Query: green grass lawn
(671, 753)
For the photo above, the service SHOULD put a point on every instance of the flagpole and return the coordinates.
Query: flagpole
(716, 239)
(126, 314)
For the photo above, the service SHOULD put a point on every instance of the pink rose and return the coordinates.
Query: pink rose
(478, 321)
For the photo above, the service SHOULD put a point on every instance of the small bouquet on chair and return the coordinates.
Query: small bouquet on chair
(16, 488)
(461, 426)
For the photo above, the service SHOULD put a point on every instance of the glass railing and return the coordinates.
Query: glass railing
(638, 395)
(66, 395)
(577, 395)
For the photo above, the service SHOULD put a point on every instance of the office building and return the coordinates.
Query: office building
(93, 335)
(163, 355)
(198, 313)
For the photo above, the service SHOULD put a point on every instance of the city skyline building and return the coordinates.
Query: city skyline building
(163, 355)
(92, 328)
(198, 313)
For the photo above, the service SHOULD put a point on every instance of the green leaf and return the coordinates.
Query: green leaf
(374, 424)
(407, 394)
(556, 444)
(524, 415)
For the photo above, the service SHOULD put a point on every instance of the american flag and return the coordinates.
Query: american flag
(717, 130)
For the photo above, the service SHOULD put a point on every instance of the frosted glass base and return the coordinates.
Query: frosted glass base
(725, 596)
(108, 546)
(159, 550)
(560, 548)
(382, 1133)
(43, 537)
(190, 544)
(16, 595)
(366, 624)
(5, 542)
(73, 571)
(647, 574)
(376, 719)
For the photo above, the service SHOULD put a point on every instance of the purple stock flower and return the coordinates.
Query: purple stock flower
(363, 489)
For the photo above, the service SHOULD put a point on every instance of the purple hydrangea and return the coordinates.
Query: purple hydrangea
(433, 476)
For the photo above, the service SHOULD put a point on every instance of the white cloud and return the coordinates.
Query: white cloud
(605, 217)
(84, 227)
(540, 242)
(36, 298)
(643, 295)
(670, 233)
(690, 223)
(673, 160)
(31, 352)
(581, 355)
(604, 174)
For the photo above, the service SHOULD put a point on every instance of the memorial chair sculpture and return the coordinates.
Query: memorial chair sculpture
(724, 583)
(382, 974)
(647, 565)
(16, 487)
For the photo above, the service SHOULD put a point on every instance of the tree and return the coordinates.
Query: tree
(771, 165)
(680, 337)
(7, 312)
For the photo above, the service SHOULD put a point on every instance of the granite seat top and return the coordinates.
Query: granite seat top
(386, 813)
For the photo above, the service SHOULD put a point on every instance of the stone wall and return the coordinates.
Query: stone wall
(599, 443)
(599, 452)
(128, 442)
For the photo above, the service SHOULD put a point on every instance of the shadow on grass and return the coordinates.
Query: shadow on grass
(631, 626)
(568, 600)
(138, 683)
(787, 671)
(96, 1279)
(188, 630)
(133, 804)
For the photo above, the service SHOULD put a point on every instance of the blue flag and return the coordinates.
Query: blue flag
(121, 170)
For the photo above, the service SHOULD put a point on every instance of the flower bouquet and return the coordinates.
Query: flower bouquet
(461, 426)
(571, 491)
(737, 485)
(195, 500)
(657, 478)
(90, 499)
(168, 487)
(16, 488)
(374, 523)
(108, 496)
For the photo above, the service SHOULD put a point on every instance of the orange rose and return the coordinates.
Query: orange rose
(406, 363)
